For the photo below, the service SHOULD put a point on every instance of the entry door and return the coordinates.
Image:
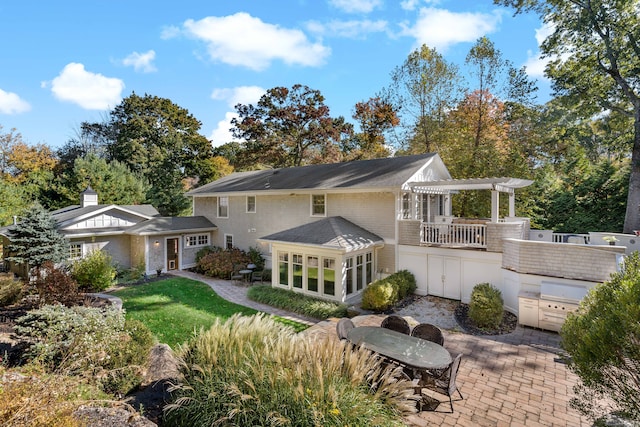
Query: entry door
(443, 276)
(172, 254)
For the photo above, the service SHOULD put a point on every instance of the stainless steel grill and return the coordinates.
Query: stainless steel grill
(556, 300)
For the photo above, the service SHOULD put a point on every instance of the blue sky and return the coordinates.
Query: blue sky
(70, 61)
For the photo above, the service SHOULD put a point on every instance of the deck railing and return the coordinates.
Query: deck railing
(461, 235)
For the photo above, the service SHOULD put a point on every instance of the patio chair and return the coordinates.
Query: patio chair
(446, 384)
(343, 327)
(396, 323)
(256, 276)
(235, 274)
(428, 332)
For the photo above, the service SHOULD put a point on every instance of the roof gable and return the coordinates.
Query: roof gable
(363, 174)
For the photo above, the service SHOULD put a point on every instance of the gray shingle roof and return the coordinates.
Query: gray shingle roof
(75, 211)
(375, 173)
(334, 232)
(160, 225)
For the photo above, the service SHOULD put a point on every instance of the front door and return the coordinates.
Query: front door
(172, 254)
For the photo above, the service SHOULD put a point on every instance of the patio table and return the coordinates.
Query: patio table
(410, 351)
(246, 275)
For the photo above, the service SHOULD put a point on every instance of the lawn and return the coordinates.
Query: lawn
(174, 308)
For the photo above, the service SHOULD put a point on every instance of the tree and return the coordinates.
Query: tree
(35, 239)
(603, 342)
(113, 181)
(423, 89)
(171, 200)
(288, 127)
(595, 58)
(375, 117)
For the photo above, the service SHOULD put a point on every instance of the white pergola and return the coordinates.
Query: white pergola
(496, 185)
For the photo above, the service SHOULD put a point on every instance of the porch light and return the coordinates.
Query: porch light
(156, 243)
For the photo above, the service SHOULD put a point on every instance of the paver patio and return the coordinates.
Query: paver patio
(516, 379)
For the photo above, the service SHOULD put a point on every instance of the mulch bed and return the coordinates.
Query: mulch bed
(508, 325)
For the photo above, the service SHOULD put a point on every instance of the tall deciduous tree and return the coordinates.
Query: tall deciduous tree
(595, 62)
(375, 117)
(423, 89)
(288, 127)
(35, 239)
(156, 138)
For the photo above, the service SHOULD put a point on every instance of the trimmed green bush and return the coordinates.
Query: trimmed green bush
(10, 291)
(486, 307)
(297, 302)
(383, 294)
(379, 296)
(252, 371)
(95, 272)
(93, 343)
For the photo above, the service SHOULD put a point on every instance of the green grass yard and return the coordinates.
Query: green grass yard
(174, 308)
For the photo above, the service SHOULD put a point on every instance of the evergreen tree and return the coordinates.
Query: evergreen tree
(35, 240)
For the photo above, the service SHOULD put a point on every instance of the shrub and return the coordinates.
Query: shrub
(55, 285)
(256, 258)
(383, 294)
(486, 307)
(42, 401)
(405, 281)
(206, 251)
(10, 291)
(603, 341)
(221, 263)
(93, 343)
(296, 302)
(95, 272)
(379, 296)
(253, 371)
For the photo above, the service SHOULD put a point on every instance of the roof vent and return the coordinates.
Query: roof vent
(88, 198)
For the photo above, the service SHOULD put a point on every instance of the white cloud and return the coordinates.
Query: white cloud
(246, 41)
(356, 6)
(413, 4)
(11, 103)
(89, 90)
(349, 29)
(141, 62)
(232, 96)
(441, 28)
(535, 63)
(222, 134)
(169, 32)
(239, 95)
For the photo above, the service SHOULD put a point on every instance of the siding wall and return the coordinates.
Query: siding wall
(564, 260)
(373, 211)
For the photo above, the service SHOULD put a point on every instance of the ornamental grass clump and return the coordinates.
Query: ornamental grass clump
(95, 344)
(254, 371)
(486, 306)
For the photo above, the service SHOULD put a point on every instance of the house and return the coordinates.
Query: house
(133, 235)
(329, 230)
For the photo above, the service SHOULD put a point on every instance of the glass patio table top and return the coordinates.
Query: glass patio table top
(411, 351)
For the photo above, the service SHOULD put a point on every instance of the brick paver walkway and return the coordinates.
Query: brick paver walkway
(517, 379)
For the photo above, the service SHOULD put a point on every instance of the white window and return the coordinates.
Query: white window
(297, 270)
(196, 240)
(251, 204)
(318, 205)
(228, 241)
(223, 207)
(75, 250)
(406, 205)
(329, 276)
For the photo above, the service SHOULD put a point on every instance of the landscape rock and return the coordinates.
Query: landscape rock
(110, 417)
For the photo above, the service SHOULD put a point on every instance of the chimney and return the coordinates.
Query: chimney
(88, 198)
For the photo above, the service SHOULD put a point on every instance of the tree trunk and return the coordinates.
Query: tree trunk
(632, 215)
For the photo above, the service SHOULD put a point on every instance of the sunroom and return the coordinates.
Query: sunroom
(332, 258)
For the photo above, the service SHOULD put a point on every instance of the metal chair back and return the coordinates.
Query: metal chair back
(343, 327)
(396, 323)
(428, 332)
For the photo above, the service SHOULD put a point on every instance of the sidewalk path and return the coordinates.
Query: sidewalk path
(512, 380)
